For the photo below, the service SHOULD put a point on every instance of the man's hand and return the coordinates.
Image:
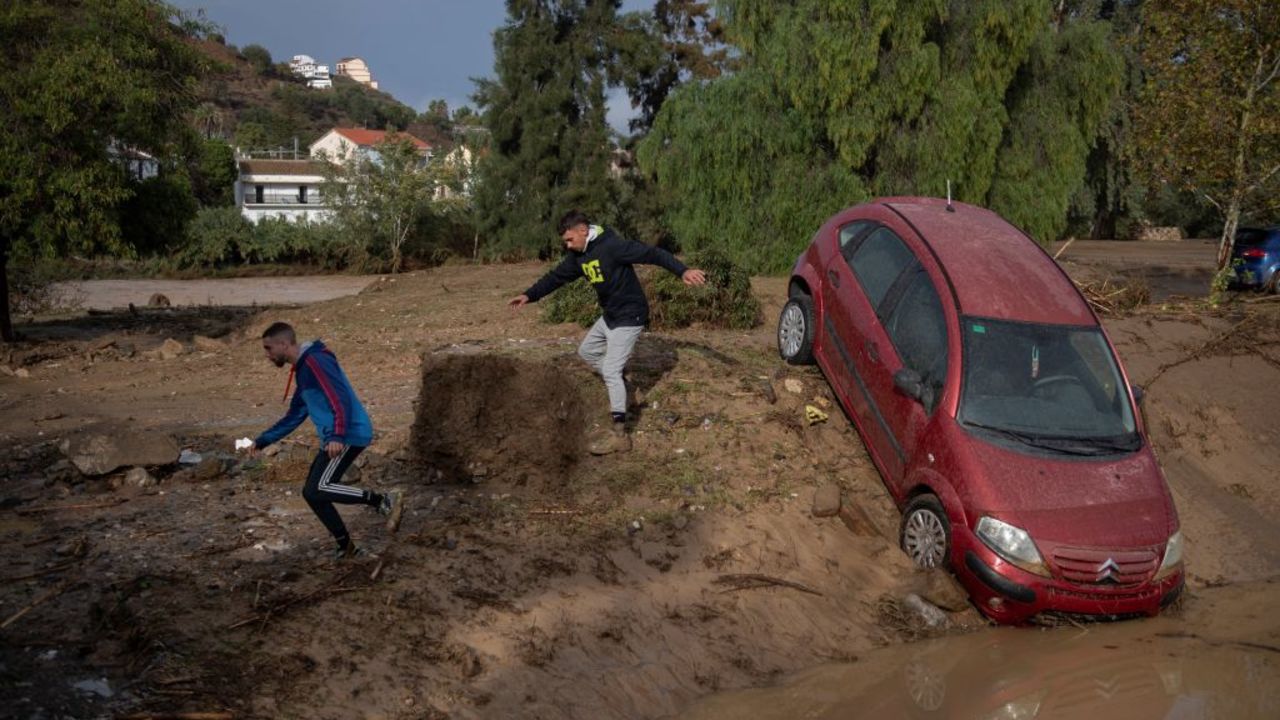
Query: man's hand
(252, 450)
(518, 301)
(693, 276)
(333, 448)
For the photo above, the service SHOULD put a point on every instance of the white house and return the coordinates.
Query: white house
(340, 145)
(287, 189)
(316, 75)
(357, 69)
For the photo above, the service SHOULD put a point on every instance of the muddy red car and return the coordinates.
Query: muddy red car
(994, 406)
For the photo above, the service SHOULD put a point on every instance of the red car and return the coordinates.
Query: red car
(993, 405)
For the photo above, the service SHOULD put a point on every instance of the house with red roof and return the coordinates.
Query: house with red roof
(342, 144)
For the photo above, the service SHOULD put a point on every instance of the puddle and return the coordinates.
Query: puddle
(1140, 669)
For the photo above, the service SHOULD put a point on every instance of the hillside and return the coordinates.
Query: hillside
(261, 106)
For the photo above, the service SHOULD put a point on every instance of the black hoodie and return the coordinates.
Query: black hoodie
(607, 264)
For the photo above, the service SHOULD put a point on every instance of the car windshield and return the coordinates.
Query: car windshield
(1052, 386)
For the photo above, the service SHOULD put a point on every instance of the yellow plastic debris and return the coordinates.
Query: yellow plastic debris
(814, 415)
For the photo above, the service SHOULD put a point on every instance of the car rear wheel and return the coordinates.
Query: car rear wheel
(926, 533)
(795, 331)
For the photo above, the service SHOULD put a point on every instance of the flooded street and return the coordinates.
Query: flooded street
(1198, 665)
(108, 294)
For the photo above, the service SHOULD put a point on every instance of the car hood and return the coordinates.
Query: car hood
(1120, 501)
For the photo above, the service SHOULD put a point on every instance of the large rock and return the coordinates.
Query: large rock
(208, 344)
(98, 453)
(171, 349)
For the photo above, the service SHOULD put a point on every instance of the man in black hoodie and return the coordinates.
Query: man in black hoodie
(606, 261)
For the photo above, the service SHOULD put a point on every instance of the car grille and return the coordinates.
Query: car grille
(1094, 566)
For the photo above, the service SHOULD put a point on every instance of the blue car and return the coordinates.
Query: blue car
(1256, 258)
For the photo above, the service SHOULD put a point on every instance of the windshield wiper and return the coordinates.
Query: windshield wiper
(1044, 442)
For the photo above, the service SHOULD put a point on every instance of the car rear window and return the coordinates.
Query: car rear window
(1250, 236)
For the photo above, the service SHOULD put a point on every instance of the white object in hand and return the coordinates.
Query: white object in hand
(244, 444)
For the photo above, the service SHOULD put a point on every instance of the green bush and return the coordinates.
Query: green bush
(575, 303)
(215, 236)
(724, 302)
(222, 236)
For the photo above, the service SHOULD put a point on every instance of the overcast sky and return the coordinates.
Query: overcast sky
(418, 50)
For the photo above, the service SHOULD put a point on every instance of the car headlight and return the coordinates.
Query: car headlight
(1013, 544)
(1172, 555)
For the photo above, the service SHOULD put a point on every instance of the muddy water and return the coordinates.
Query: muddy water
(108, 294)
(1139, 669)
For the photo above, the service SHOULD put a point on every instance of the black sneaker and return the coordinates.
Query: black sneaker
(393, 507)
(349, 552)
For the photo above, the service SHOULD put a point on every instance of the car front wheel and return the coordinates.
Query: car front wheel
(795, 331)
(926, 533)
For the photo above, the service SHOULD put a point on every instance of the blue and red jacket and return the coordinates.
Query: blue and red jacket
(324, 393)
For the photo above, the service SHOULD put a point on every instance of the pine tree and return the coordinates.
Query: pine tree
(550, 146)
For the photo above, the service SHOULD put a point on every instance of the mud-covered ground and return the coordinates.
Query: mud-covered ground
(529, 579)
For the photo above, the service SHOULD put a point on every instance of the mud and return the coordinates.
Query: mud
(499, 417)
(1195, 664)
(628, 586)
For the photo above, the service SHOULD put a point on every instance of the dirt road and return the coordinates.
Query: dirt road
(528, 579)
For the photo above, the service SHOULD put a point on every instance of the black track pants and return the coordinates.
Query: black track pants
(322, 490)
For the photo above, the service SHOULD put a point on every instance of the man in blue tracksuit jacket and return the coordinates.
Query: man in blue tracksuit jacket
(606, 260)
(324, 393)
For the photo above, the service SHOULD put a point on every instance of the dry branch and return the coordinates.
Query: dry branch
(81, 506)
(53, 592)
(749, 581)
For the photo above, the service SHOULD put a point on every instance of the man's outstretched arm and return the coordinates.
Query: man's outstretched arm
(567, 271)
(285, 425)
(634, 252)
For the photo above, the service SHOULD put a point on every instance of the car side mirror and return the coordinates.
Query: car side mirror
(909, 383)
(1138, 394)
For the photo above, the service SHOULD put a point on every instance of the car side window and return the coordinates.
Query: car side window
(917, 327)
(849, 235)
(877, 261)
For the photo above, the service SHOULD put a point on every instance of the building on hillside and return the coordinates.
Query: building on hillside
(138, 164)
(357, 69)
(340, 145)
(287, 189)
(460, 164)
(316, 75)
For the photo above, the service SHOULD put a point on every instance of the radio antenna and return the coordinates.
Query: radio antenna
(950, 207)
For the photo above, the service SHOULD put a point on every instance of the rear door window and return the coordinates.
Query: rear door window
(849, 235)
(917, 327)
(877, 262)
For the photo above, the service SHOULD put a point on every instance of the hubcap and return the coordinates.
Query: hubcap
(925, 540)
(791, 330)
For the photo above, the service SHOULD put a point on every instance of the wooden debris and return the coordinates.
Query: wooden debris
(81, 506)
(53, 592)
(750, 581)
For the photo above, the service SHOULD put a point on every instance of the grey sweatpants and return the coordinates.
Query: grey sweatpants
(607, 352)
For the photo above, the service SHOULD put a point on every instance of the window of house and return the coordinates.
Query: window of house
(302, 194)
(258, 192)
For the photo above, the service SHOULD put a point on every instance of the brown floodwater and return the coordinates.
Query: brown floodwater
(1131, 670)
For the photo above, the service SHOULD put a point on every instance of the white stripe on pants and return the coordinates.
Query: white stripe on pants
(607, 352)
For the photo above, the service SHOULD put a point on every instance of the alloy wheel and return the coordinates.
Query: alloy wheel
(924, 538)
(791, 330)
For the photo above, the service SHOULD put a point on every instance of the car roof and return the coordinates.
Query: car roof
(997, 271)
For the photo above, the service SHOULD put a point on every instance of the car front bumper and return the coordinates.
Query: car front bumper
(1008, 594)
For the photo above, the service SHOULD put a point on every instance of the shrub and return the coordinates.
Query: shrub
(216, 235)
(575, 303)
(724, 302)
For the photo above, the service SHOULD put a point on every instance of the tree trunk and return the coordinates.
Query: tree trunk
(1228, 240)
(1238, 180)
(6, 325)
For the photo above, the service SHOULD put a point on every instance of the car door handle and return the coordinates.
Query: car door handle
(873, 351)
(833, 277)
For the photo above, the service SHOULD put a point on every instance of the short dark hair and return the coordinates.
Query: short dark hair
(572, 219)
(280, 330)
